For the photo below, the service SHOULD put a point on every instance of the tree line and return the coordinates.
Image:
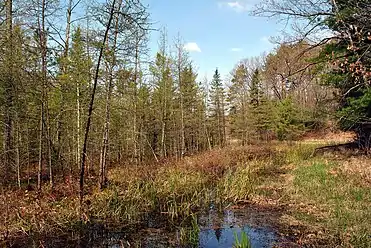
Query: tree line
(81, 95)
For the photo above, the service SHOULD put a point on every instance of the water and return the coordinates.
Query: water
(224, 237)
(216, 230)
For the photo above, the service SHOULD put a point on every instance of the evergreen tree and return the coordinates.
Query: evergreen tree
(217, 110)
(189, 91)
(73, 91)
(238, 99)
(260, 109)
(287, 123)
(351, 65)
(163, 101)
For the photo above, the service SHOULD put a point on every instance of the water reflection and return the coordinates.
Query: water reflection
(218, 231)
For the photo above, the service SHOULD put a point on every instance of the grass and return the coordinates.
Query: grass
(189, 235)
(346, 202)
(321, 192)
(242, 241)
(237, 184)
(331, 204)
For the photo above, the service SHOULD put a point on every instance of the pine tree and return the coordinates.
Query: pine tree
(351, 66)
(260, 110)
(189, 92)
(217, 110)
(163, 96)
(238, 99)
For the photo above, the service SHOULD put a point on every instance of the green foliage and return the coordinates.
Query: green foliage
(190, 236)
(255, 91)
(238, 99)
(242, 242)
(288, 124)
(356, 109)
(350, 70)
(217, 110)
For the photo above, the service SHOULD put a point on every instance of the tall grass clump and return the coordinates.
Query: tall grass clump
(299, 152)
(179, 191)
(241, 242)
(237, 184)
(190, 236)
(123, 205)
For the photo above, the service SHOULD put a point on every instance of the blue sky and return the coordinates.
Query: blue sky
(220, 32)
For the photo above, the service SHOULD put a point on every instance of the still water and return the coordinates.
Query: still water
(215, 229)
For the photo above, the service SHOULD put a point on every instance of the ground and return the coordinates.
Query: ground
(310, 199)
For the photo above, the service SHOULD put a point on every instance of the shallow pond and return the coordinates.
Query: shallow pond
(219, 230)
(214, 229)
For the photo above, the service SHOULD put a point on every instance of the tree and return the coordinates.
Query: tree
(345, 56)
(77, 82)
(8, 88)
(91, 104)
(189, 91)
(163, 98)
(238, 99)
(351, 70)
(217, 110)
(260, 109)
(180, 62)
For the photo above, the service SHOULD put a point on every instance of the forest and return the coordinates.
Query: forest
(98, 134)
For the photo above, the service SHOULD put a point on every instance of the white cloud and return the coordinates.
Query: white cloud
(238, 6)
(236, 49)
(265, 39)
(192, 47)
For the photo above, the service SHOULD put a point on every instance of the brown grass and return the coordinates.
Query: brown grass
(312, 199)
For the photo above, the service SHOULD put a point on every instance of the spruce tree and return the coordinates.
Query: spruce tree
(238, 99)
(162, 100)
(260, 111)
(217, 110)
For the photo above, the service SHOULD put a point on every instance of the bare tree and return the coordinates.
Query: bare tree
(9, 96)
(111, 64)
(91, 105)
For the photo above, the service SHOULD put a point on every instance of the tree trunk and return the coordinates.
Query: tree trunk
(17, 158)
(9, 85)
(49, 144)
(90, 110)
(41, 132)
(182, 132)
(64, 70)
(105, 141)
(42, 40)
(28, 155)
(135, 100)
(78, 123)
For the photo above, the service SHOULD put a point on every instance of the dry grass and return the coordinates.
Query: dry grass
(329, 198)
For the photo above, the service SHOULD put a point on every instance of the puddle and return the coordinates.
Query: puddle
(216, 230)
(224, 237)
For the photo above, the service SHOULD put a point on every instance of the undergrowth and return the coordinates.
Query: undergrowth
(177, 191)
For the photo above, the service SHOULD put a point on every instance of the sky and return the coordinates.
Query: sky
(216, 33)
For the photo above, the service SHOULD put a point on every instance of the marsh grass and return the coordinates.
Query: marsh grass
(346, 201)
(242, 241)
(188, 236)
(237, 184)
(319, 190)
